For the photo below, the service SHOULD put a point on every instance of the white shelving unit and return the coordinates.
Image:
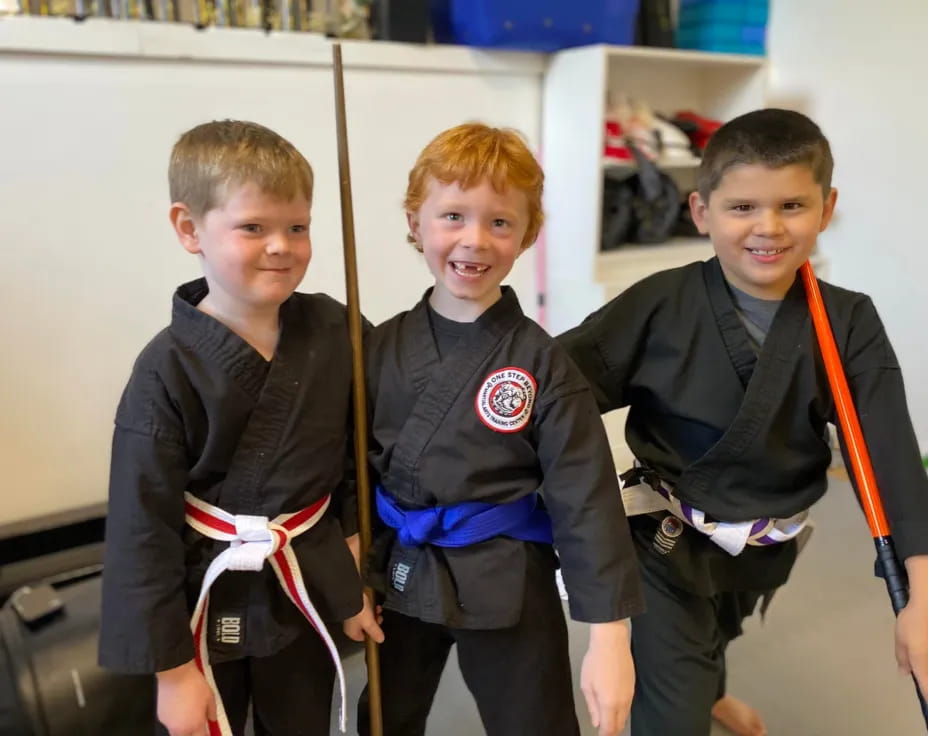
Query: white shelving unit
(577, 84)
(579, 277)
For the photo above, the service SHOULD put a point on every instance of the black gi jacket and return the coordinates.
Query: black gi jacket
(743, 436)
(204, 412)
(436, 440)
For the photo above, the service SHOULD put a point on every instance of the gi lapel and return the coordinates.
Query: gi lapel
(421, 355)
(440, 385)
(765, 390)
(255, 453)
(214, 342)
(731, 328)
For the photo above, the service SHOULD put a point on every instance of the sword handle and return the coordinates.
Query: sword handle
(897, 585)
(897, 582)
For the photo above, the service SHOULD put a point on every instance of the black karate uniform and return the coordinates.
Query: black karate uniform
(205, 413)
(501, 413)
(740, 436)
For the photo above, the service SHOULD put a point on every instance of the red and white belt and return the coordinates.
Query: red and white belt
(252, 540)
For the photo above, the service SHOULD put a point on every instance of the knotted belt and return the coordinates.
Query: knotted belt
(643, 492)
(466, 523)
(252, 540)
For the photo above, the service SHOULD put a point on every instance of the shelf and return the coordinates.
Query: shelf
(103, 37)
(684, 56)
(633, 261)
(109, 37)
(617, 266)
(611, 163)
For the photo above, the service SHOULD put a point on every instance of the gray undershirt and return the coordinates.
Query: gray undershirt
(756, 315)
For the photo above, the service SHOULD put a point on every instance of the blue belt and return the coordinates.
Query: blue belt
(466, 523)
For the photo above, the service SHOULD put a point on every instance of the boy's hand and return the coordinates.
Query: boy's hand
(365, 622)
(912, 641)
(185, 701)
(912, 624)
(607, 678)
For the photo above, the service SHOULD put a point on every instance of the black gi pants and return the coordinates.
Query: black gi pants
(679, 651)
(290, 692)
(519, 676)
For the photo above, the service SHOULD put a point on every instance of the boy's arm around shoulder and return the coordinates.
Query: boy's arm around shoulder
(606, 346)
(878, 391)
(582, 495)
(145, 624)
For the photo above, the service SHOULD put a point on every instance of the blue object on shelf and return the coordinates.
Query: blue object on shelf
(735, 26)
(534, 25)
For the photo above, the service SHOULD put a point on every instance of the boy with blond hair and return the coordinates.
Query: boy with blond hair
(230, 454)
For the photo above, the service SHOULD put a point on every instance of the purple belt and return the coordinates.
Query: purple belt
(643, 491)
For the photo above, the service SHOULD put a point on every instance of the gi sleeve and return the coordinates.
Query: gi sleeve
(145, 625)
(581, 493)
(879, 395)
(607, 344)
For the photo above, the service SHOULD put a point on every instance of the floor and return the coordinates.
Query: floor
(821, 665)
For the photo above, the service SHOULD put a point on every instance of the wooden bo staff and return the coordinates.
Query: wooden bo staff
(897, 583)
(360, 394)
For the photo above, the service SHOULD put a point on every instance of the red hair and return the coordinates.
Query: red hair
(472, 153)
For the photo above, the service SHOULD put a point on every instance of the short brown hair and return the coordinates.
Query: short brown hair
(211, 157)
(772, 137)
(471, 153)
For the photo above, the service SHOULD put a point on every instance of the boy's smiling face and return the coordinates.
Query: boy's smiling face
(470, 239)
(255, 248)
(764, 223)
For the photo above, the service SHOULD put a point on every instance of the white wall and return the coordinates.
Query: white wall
(88, 260)
(88, 114)
(859, 70)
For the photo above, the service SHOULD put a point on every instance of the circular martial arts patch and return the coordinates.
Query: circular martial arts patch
(672, 526)
(504, 401)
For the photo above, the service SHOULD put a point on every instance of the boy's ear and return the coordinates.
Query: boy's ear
(412, 222)
(185, 227)
(828, 209)
(698, 209)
